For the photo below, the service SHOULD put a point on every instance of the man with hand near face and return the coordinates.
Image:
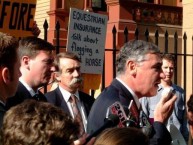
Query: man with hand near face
(138, 74)
(178, 115)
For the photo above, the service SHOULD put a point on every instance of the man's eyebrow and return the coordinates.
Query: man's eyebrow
(73, 67)
(157, 64)
(48, 59)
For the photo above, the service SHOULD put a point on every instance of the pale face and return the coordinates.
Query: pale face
(40, 69)
(148, 76)
(190, 122)
(70, 78)
(168, 70)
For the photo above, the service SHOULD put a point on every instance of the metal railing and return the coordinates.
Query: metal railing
(114, 50)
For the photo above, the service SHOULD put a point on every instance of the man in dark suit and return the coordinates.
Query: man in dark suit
(69, 81)
(138, 74)
(36, 56)
(9, 70)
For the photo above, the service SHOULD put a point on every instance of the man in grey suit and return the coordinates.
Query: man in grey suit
(69, 81)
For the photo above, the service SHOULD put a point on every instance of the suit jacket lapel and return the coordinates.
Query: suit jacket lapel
(23, 92)
(124, 95)
(60, 101)
(84, 101)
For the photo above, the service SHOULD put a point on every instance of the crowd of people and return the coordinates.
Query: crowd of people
(68, 116)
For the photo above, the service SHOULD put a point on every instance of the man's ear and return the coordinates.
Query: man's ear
(25, 62)
(6, 75)
(57, 76)
(131, 67)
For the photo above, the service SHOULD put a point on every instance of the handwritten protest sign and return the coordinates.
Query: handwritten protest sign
(16, 17)
(86, 38)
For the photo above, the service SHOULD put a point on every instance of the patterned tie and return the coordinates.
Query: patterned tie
(77, 114)
(134, 111)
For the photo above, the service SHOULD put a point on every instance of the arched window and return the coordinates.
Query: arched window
(99, 5)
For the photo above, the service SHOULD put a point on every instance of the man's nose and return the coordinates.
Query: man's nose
(53, 68)
(76, 73)
(167, 69)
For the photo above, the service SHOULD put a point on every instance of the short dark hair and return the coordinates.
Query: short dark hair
(190, 104)
(169, 57)
(8, 51)
(38, 123)
(31, 45)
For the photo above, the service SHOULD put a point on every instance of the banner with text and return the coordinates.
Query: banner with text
(86, 38)
(16, 17)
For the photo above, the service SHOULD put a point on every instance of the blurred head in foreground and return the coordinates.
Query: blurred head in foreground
(122, 136)
(37, 123)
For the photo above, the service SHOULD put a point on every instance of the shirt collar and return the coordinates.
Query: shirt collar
(1, 102)
(160, 87)
(31, 91)
(66, 95)
(131, 91)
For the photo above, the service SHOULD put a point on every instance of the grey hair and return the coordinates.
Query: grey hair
(134, 50)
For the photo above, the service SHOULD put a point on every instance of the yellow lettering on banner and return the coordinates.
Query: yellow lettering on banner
(17, 16)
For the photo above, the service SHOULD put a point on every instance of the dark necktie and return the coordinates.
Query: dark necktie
(77, 114)
(38, 96)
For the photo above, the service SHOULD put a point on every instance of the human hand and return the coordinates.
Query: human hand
(35, 29)
(82, 140)
(164, 107)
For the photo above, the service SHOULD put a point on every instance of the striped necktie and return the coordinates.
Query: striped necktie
(134, 112)
(77, 114)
